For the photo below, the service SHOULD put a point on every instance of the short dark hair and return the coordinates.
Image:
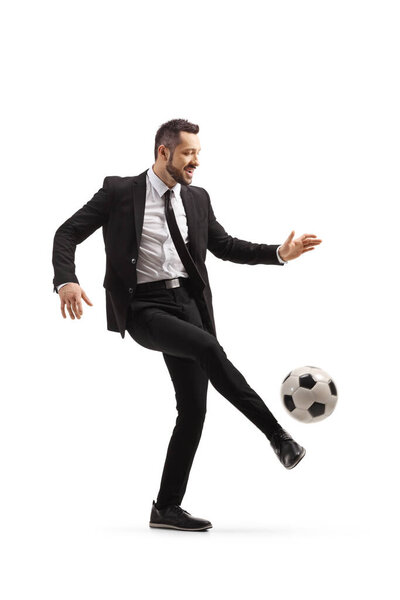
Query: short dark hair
(169, 134)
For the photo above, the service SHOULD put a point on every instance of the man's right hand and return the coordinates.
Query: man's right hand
(71, 297)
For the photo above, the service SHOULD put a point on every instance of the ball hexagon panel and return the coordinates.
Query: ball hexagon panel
(320, 374)
(322, 393)
(304, 398)
(329, 408)
(302, 415)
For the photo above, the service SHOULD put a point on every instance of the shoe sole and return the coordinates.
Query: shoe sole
(302, 455)
(162, 526)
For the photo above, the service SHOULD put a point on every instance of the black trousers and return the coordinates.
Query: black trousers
(169, 321)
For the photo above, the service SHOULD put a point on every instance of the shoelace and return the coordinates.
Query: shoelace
(180, 510)
(282, 435)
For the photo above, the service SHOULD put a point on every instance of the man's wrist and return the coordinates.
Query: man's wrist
(281, 260)
(62, 284)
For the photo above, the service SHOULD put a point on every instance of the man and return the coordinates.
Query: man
(157, 228)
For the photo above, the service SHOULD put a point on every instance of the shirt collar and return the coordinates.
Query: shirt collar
(160, 186)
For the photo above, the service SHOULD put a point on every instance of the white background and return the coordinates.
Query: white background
(298, 108)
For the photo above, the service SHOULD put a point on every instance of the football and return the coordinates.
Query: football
(309, 394)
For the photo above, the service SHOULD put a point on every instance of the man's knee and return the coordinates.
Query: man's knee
(192, 415)
(210, 350)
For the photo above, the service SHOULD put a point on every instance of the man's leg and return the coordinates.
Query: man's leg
(164, 329)
(190, 382)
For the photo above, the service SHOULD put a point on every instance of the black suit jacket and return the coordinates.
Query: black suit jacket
(118, 207)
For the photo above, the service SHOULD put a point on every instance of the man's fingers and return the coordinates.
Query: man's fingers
(69, 309)
(291, 236)
(312, 242)
(86, 299)
(307, 250)
(63, 309)
(77, 309)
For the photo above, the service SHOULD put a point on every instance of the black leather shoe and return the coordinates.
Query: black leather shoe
(174, 517)
(288, 451)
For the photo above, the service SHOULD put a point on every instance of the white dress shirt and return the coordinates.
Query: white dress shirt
(158, 257)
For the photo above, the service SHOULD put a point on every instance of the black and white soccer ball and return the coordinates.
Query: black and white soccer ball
(309, 394)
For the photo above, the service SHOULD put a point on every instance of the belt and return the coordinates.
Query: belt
(163, 283)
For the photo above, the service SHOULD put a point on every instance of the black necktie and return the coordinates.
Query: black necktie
(180, 245)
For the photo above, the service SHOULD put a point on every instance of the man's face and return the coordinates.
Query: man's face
(182, 163)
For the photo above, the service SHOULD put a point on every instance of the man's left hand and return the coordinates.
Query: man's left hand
(293, 248)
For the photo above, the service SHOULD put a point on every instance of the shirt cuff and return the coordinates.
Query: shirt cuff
(283, 262)
(61, 285)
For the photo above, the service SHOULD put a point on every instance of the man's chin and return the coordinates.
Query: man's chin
(183, 179)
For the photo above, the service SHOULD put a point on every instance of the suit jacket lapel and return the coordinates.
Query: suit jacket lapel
(187, 200)
(139, 202)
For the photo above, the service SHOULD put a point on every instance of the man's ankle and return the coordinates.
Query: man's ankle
(277, 428)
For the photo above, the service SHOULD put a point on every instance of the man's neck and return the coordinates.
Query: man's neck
(165, 177)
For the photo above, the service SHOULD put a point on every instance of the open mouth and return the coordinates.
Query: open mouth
(189, 170)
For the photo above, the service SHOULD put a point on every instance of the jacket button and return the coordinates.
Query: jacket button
(133, 260)
(131, 290)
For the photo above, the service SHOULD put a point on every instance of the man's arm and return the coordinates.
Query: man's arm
(75, 230)
(226, 247)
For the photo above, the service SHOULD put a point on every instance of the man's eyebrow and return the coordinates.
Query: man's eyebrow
(191, 149)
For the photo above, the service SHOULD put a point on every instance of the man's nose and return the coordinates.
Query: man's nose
(196, 162)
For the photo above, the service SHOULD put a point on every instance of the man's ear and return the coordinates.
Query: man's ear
(163, 150)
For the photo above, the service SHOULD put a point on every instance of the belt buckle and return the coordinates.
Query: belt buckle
(172, 283)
